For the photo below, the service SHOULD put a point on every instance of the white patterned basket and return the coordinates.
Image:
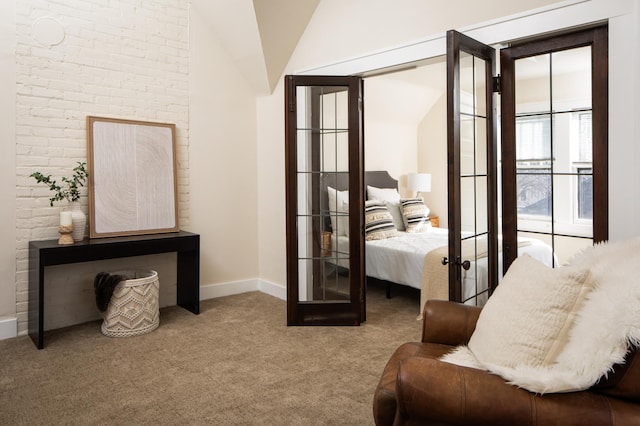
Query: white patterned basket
(133, 309)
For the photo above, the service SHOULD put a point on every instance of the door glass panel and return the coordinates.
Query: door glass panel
(571, 79)
(554, 169)
(470, 276)
(566, 202)
(335, 152)
(467, 204)
(475, 281)
(572, 141)
(322, 213)
(533, 194)
(467, 145)
(566, 247)
(480, 92)
(342, 151)
(532, 85)
(544, 252)
(466, 83)
(482, 208)
(481, 146)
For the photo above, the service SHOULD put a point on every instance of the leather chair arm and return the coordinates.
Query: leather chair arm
(434, 392)
(448, 323)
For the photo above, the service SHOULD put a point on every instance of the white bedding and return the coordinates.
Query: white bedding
(401, 259)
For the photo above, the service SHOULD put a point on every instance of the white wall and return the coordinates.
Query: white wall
(7, 170)
(341, 30)
(121, 60)
(334, 37)
(624, 126)
(390, 127)
(224, 162)
(432, 155)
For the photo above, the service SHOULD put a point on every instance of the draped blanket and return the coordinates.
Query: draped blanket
(435, 275)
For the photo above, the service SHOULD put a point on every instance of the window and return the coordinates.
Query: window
(584, 167)
(585, 193)
(533, 165)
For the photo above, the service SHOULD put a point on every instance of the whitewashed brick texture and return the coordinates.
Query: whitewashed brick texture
(119, 58)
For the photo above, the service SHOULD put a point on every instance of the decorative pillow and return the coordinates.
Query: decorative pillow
(378, 223)
(526, 320)
(606, 322)
(392, 197)
(338, 211)
(415, 214)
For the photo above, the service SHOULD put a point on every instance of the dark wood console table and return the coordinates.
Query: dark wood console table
(49, 253)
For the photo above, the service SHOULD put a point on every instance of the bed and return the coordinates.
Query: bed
(413, 259)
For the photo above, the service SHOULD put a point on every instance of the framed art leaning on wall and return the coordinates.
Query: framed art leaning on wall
(132, 177)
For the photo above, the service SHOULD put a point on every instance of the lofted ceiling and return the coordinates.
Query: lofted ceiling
(259, 35)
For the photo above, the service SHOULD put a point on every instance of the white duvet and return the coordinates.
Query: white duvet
(401, 259)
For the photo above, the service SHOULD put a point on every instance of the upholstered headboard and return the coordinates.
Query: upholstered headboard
(380, 179)
(377, 178)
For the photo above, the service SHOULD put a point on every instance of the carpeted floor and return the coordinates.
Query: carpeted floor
(237, 363)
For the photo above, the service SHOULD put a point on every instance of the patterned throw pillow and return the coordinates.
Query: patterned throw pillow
(415, 214)
(378, 223)
(339, 211)
(392, 197)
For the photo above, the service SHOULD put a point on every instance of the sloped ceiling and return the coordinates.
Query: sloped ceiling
(406, 96)
(281, 24)
(259, 35)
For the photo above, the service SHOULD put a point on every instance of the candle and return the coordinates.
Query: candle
(65, 218)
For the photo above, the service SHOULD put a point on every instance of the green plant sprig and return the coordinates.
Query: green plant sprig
(72, 190)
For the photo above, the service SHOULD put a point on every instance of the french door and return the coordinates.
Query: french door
(472, 170)
(554, 142)
(554, 152)
(553, 156)
(324, 176)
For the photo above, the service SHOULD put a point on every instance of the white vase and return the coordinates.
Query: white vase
(79, 220)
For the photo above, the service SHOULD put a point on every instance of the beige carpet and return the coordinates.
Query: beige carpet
(237, 363)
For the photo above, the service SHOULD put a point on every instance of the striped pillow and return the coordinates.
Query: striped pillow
(378, 222)
(415, 214)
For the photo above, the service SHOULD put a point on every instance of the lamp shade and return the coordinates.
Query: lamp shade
(419, 182)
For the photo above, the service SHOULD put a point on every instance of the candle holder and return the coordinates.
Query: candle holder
(65, 234)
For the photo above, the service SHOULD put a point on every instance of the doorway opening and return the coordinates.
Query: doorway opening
(405, 124)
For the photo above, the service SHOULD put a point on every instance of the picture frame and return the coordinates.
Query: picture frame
(132, 177)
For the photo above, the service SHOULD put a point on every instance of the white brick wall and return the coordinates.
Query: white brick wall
(119, 58)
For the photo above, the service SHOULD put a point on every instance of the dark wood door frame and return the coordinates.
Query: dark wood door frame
(347, 312)
(457, 42)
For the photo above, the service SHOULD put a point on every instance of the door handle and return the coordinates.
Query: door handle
(465, 265)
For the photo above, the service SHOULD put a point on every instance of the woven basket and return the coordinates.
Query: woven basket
(133, 309)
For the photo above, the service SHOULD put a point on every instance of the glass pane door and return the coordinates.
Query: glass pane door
(472, 170)
(548, 144)
(324, 184)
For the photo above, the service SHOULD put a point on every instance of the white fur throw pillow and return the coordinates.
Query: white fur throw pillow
(527, 312)
(606, 325)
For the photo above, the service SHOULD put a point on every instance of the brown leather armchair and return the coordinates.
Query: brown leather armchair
(416, 388)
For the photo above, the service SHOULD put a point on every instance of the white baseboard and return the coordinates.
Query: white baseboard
(8, 328)
(274, 290)
(212, 291)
